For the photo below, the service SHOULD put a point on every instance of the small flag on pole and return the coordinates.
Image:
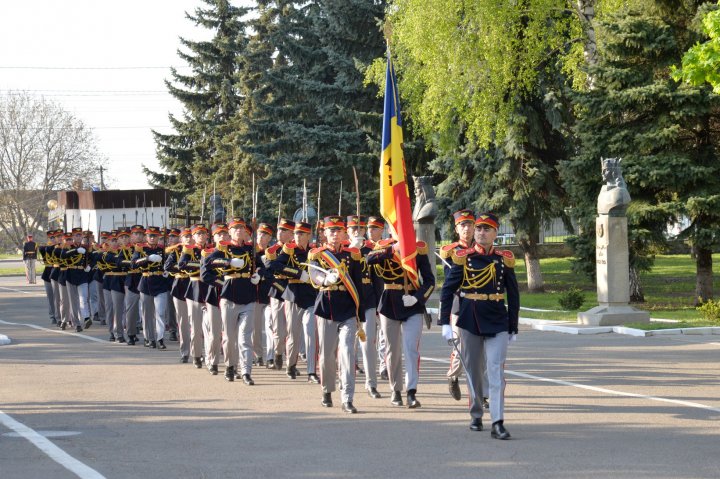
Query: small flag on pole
(394, 193)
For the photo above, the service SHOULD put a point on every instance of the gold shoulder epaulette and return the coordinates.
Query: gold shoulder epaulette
(188, 250)
(508, 257)
(446, 250)
(222, 246)
(422, 247)
(355, 253)
(138, 248)
(314, 253)
(459, 256)
(289, 248)
(174, 247)
(207, 252)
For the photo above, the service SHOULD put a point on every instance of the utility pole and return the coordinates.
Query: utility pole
(102, 179)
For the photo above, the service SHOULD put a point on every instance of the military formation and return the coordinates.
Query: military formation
(321, 304)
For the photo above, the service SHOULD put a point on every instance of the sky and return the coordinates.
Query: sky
(104, 62)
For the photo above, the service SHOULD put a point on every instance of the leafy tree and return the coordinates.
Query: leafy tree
(701, 63)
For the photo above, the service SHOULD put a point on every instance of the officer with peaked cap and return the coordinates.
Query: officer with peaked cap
(189, 263)
(178, 289)
(278, 284)
(261, 313)
(148, 258)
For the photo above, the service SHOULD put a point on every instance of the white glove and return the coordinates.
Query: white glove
(237, 263)
(511, 338)
(409, 300)
(304, 276)
(332, 277)
(81, 250)
(357, 242)
(255, 278)
(447, 332)
(87, 269)
(154, 258)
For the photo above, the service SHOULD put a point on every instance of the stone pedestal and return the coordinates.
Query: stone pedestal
(613, 278)
(426, 232)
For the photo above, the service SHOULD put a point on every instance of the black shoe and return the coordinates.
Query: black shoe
(63, 325)
(270, 364)
(384, 375)
(349, 408)
(78, 329)
(476, 424)
(412, 402)
(291, 372)
(327, 400)
(230, 373)
(131, 340)
(153, 344)
(184, 359)
(146, 343)
(313, 378)
(173, 336)
(396, 399)
(88, 323)
(197, 363)
(303, 357)
(213, 369)
(161, 344)
(53, 321)
(454, 388)
(260, 362)
(120, 339)
(498, 431)
(278, 362)
(359, 370)
(112, 338)
(248, 380)
(96, 317)
(103, 323)
(373, 393)
(486, 404)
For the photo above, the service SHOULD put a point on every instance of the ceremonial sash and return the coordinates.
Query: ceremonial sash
(333, 262)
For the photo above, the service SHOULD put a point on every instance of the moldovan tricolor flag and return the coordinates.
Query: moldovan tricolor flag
(394, 195)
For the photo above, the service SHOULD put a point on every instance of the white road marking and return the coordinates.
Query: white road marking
(21, 291)
(51, 450)
(57, 330)
(611, 392)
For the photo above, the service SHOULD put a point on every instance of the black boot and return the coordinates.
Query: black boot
(213, 369)
(161, 344)
(278, 362)
(327, 400)
(396, 399)
(476, 424)
(88, 323)
(498, 431)
(112, 338)
(131, 340)
(197, 363)
(230, 373)
(412, 402)
(173, 336)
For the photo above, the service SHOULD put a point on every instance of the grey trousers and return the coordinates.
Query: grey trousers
(368, 348)
(132, 311)
(212, 327)
(269, 334)
(30, 270)
(51, 299)
(195, 314)
(278, 325)
(494, 350)
(237, 326)
(93, 299)
(258, 328)
(117, 324)
(154, 310)
(382, 350)
(171, 314)
(59, 313)
(78, 298)
(403, 339)
(65, 308)
(100, 307)
(109, 311)
(337, 340)
(183, 325)
(301, 323)
(455, 369)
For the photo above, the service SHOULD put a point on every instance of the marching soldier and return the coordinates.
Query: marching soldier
(45, 253)
(401, 307)
(482, 275)
(148, 258)
(232, 268)
(299, 300)
(189, 264)
(337, 270)
(172, 237)
(212, 319)
(465, 228)
(75, 257)
(132, 281)
(356, 226)
(279, 283)
(178, 290)
(30, 250)
(97, 297)
(64, 301)
(109, 243)
(117, 276)
(376, 226)
(261, 313)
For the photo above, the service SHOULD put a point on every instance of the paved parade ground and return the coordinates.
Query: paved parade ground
(75, 405)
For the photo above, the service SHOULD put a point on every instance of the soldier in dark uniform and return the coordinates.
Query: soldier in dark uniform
(115, 277)
(357, 226)
(132, 281)
(45, 254)
(465, 228)
(30, 250)
(109, 242)
(178, 289)
(299, 300)
(148, 258)
(376, 226)
(401, 307)
(337, 307)
(189, 264)
(483, 275)
(97, 277)
(261, 313)
(232, 268)
(279, 283)
(212, 318)
(170, 238)
(75, 258)
(60, 273)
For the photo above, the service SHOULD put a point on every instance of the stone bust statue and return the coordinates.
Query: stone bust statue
(426, 208)
(614, 197)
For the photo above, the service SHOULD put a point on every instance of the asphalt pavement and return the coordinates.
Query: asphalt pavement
(599, 406)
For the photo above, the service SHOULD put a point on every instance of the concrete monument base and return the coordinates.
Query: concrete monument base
(606, 315)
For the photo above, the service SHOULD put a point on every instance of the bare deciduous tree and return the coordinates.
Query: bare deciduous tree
(43, 148)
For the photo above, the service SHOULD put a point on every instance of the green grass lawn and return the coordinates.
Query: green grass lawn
(15, 271)
(669, 290)
(11, 256)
